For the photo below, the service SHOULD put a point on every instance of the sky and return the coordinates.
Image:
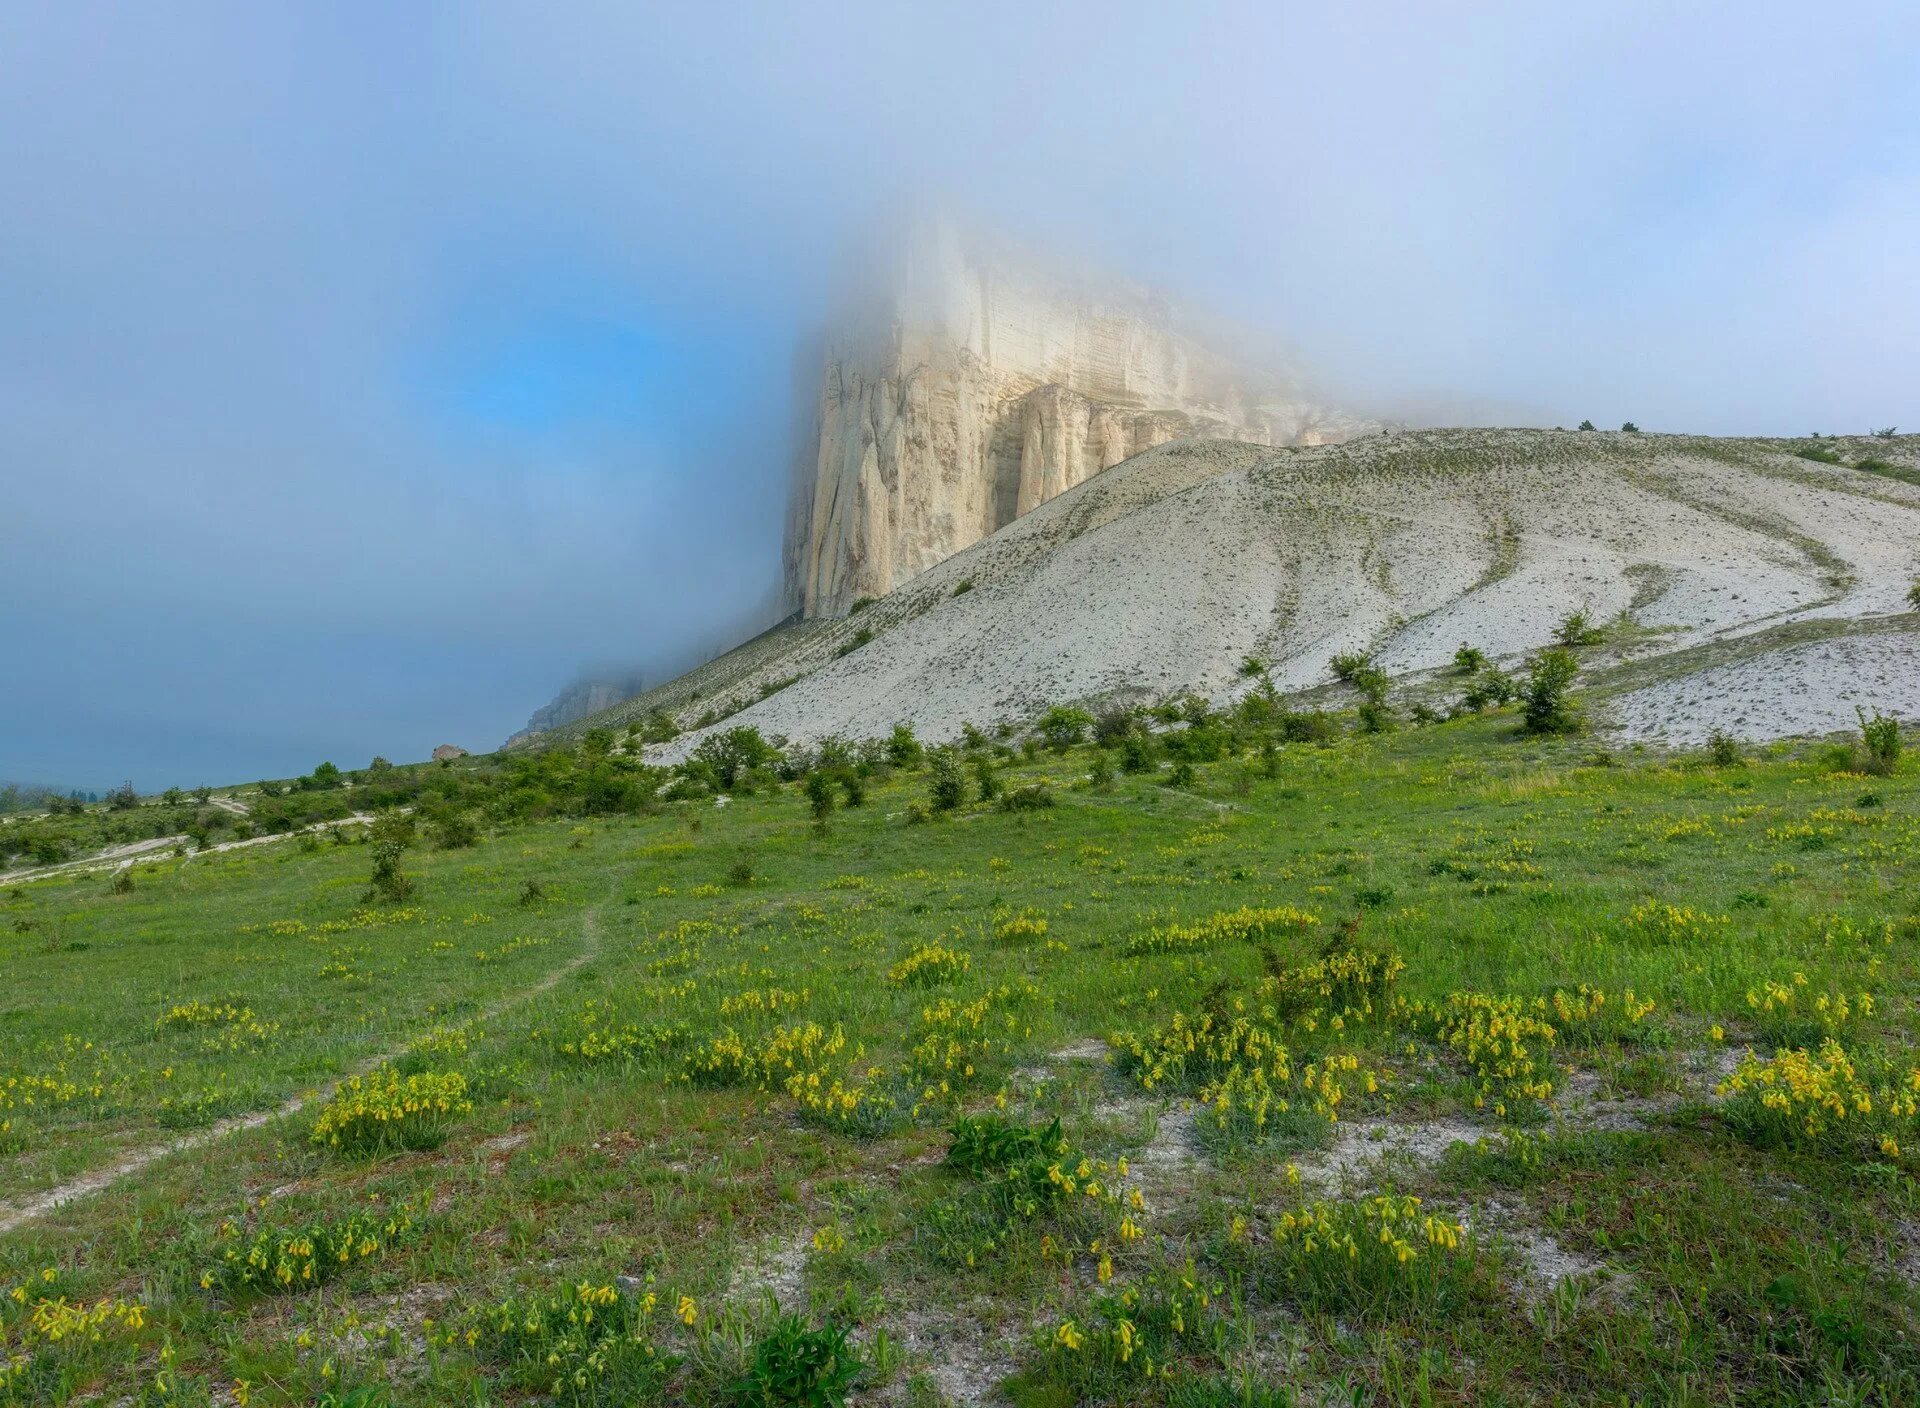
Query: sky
(369, 371)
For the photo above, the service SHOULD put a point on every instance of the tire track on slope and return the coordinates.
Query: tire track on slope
(19, 1214)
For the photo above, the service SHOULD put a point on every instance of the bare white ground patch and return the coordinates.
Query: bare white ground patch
(1085, 1051)
(1583, 1105)
(774, 1270)
(1801, 689)
(503, 1143)
(1545, 1261)
(965, 1356)
(1361, 1148)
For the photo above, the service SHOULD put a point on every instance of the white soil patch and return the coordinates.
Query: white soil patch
(776, 1271)
(966, 1358)
(1809, 689)
(1360, 1147)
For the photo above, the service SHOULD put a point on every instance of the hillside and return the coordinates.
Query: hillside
(1751, 587)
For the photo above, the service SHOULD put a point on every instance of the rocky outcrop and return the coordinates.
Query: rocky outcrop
(969, 389)
(577, 701)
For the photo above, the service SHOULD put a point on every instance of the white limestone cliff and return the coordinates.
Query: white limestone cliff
(970, 389)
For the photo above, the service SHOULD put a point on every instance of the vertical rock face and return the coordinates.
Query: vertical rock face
(969, 390)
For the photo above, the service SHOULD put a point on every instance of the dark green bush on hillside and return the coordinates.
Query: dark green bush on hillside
(1547, 707)
(1062, 726)
(903, 749)
(1879, 742)
(1309, 726)
(733, 753)
(1575, 629)
(947, 787)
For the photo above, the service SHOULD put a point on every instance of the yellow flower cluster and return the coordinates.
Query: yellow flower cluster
(1193, 1051)
(1664, 923)
(1788, 1002)
(1501, 1039)
(229, 1029)
(852, 1104)
(1588, 1013)
(954, 1039)
(374, 919)
(1820, 1098)
(386, 1108)
(929, 965)
(569, 1344)
(278, 1261)
(598, 1035)
(59, 1319)
(1019, 928)
(1245, 1099)
(766, 1061)
(764, 1002)
(1235, 926)
(1382, 1227)
(1348, 978)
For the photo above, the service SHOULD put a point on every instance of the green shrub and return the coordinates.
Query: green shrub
(1913, 594)
(1468, 661)
(1879, 742)
(985, 779)
(1063, 726)
(1376, 716)
(1587, 425)
(1818, 453)
(1723, 750)
(1490, 689)
(454, 830)
(795, 1365)
(391, 834)
(903, 749)
(1035, 796)
(947, 788)
(1547, 707)
(1575, 629)
(1348, 664)
(1136, 753)
(1309, 726)
(820, 796)
(855, 641)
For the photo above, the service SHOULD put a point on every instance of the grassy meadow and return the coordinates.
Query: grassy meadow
(1438, 1066)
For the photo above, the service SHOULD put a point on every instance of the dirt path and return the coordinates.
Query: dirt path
(19, 1214)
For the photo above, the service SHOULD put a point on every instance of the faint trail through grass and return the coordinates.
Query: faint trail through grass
(32, 1209)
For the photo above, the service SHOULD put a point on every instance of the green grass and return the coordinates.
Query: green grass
(604, 1167)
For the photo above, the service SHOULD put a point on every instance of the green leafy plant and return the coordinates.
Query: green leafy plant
(1468, 660)
(795, 1366)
